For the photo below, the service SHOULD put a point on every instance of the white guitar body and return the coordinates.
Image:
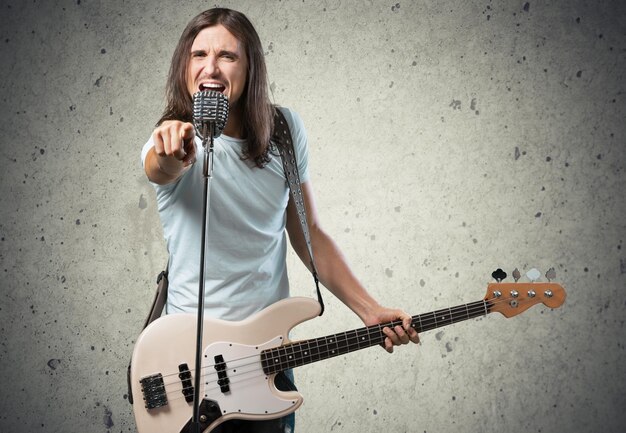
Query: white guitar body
(250, 393)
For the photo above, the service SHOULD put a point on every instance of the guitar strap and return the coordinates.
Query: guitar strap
(283, 140)
(159, 298)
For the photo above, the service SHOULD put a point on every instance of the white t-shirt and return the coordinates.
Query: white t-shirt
(246, 238)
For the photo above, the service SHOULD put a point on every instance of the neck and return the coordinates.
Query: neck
(308, 351)
(234, 124)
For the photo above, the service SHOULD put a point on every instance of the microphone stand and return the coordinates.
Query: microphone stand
(208, 129)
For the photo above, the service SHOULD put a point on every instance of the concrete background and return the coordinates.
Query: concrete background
(447, 139)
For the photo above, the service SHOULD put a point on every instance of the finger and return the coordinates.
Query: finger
(178, 152)
(190, 151)
(392, 336)
(185, 135)
(167, 143)
(410, 330)
(406, 322)
(187, 131)
(402, 335)
(388, 345)
(177, 144)
(190, 156)
(158, 143)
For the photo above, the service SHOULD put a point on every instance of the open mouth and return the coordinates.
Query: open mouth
(216, 87)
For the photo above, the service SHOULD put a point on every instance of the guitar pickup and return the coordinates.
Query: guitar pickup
(185, 379)
(222, 378)
(153, 390)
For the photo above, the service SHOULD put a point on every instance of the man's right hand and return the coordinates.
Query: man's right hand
(174, 150)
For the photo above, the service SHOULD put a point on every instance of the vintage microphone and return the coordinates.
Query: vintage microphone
(210, 112)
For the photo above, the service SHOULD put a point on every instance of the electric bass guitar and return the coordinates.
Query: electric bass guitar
(242, 359)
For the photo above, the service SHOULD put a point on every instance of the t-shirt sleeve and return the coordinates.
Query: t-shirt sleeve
(300, 142)
(144, 151)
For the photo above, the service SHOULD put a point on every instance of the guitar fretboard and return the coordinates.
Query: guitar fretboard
(316, 349)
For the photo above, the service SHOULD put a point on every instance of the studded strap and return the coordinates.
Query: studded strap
(282, 139)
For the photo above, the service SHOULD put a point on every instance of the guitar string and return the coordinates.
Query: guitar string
(376, 329)
(478, 306)
(322, 354)
(378, 338)
(236, 379)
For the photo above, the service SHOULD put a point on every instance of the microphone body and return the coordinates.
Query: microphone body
(210, 112)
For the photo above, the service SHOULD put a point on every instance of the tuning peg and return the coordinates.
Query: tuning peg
(498, 275)
(516, 274)
(533, 275)
(551, 274)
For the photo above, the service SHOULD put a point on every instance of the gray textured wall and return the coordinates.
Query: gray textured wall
(447, 139)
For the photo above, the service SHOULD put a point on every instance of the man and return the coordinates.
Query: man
(250, 209)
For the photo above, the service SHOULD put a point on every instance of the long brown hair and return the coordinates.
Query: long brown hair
(257, 110)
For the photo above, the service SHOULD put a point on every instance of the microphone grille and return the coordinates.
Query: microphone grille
(210, 108)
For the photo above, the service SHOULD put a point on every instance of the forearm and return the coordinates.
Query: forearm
(336, 275)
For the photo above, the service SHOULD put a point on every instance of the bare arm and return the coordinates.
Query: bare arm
(173, 152)
(336, 275)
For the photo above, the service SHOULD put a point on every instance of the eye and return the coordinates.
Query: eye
(227, 55)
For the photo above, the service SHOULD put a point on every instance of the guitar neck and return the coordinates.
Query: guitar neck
(317, 349)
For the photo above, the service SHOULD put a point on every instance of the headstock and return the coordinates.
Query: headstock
(511, 299)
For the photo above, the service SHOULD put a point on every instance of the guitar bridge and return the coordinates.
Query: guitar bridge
(153, 390)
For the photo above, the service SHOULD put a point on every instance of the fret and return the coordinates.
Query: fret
(315, 350)
(345, 346)
(458, 313)
(365, 332)
(351, 342)
(476, 309)
(291, 356)
(361, 340)
(307, 352)
(430, 321)
(373, 335)
(419, 317)
(282, 350)
(331, 346)
(442, 317)
(273, 360)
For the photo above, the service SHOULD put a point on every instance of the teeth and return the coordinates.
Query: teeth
(211, 86)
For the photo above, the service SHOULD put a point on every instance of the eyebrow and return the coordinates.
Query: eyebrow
(230, 53)
(221, 52)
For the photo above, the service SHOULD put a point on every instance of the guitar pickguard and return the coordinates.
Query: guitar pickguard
(238, 382)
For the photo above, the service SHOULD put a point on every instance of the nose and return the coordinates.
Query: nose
(210, 67)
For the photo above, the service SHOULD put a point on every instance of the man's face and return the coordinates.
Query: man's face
(218, 62)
